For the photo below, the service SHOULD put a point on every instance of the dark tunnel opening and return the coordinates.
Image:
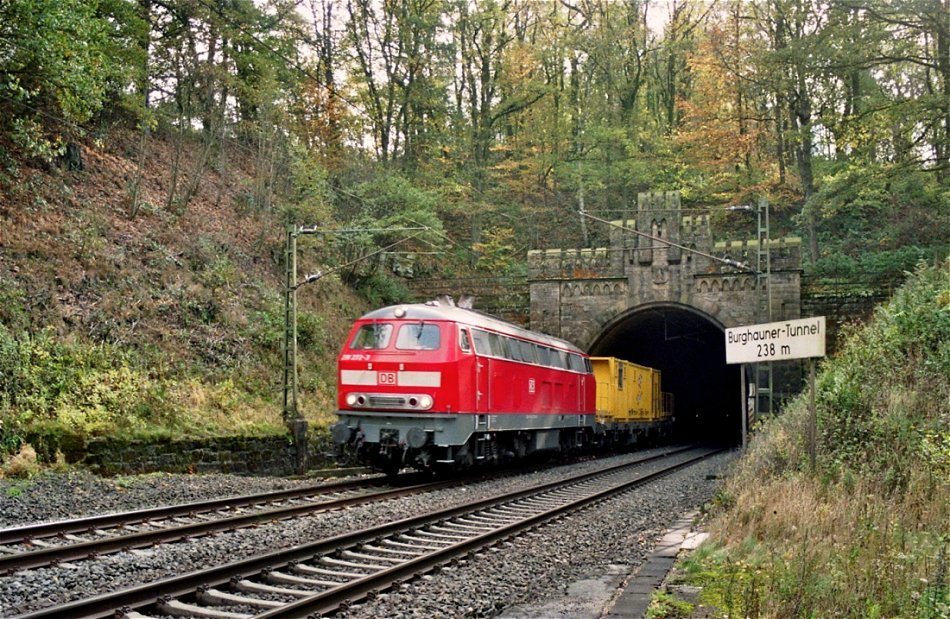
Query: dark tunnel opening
(688, 348)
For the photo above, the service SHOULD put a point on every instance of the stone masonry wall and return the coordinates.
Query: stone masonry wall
(261, 456)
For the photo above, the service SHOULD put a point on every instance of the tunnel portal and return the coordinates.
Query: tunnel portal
(661, 293)
(688, 347)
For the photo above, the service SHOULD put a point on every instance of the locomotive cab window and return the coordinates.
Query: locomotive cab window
(464, 344)
(372, 337)
(419, 336)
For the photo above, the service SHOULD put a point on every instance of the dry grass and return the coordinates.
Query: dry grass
(820, 546)
(21, 464)
(796, 545)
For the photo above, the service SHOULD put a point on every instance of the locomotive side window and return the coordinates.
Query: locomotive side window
(464, 344)
(372, 337)
(499, 347)
(529, 352)
(419, 336)
(544, 355)
(517, 351)
(482, 346)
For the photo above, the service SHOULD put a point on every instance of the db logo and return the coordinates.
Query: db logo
(386, 378)
(530, 385)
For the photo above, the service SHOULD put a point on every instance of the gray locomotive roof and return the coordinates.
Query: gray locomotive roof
(425, 311)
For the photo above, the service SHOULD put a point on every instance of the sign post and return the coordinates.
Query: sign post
(779, 341)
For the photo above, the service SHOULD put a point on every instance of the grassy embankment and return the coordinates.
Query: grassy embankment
(161, 319)
(868, 533)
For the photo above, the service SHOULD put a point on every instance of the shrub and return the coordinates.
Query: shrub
(265, 328)
(887, 389)
(87, 388)
(311, 331)
(380, 290)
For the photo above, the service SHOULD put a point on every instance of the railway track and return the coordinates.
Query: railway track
(326, 575)
(52, 543)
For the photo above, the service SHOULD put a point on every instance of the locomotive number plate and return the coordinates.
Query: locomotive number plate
(386, 378)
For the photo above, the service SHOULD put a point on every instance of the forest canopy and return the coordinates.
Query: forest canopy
(499, 120)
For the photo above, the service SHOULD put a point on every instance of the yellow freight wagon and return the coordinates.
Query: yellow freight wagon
(627, 392)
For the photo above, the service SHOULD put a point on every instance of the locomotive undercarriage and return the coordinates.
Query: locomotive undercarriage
(391, 441)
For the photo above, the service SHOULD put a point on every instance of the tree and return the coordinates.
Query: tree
(60, 62)
(396, 54)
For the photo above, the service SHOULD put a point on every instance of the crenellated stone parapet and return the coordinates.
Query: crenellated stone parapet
(573, 264)
(661, 256)
(784, 253)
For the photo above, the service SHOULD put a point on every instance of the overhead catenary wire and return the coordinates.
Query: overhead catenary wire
(320, 274)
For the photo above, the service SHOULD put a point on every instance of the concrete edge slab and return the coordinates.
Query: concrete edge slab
(633, 601)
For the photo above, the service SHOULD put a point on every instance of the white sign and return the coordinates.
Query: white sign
(776, 341)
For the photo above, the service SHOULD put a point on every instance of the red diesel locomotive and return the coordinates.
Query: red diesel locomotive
(433, 385)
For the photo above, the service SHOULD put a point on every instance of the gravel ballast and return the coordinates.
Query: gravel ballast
(528, 569)
(61, 496)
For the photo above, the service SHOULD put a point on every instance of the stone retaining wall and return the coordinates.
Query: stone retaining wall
(273, 455)
(267, 455)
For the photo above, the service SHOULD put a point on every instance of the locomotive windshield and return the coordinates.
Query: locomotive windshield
(419, 336)
(372, 337)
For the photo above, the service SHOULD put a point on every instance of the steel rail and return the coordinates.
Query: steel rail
(26, 533)
(94, 548)
(178, 586)
(346, 593)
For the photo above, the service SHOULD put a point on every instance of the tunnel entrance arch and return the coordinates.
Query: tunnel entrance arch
(688, 347)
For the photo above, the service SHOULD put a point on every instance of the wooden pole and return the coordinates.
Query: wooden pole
(743, 406)
(812, 417)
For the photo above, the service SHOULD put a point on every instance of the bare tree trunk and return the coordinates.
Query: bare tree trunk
(583, 212)
(136, 186)
(179, 141)
(805, 145)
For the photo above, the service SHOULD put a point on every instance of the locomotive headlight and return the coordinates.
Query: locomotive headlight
(399, 312)
(425, 402)
(355, 399)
